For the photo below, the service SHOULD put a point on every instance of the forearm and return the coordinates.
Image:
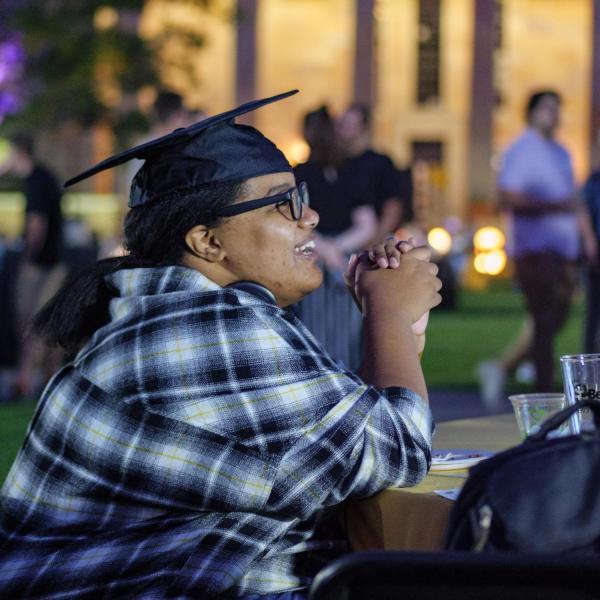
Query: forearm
(588, 235)
(529, 206)
(390, 350)
(36, 227)
(364, 226)
(391, 215)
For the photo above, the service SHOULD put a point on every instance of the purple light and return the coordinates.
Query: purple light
(12, 64)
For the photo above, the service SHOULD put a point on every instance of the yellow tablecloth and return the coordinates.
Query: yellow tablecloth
(415, 518)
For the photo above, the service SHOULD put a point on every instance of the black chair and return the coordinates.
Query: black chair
(458, 576)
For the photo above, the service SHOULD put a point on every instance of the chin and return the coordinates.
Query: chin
(314, 283)
(307, 285)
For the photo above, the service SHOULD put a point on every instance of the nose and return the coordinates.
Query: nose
(310, 218)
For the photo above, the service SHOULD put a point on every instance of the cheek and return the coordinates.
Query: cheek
(273, 255)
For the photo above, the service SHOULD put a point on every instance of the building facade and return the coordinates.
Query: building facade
(447, 79)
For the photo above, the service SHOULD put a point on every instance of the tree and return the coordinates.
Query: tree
(84, 61)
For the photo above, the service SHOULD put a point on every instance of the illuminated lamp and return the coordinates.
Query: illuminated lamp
(488, 238)
(440, 240)
(296, 151)
(490, 263)
(105, 17)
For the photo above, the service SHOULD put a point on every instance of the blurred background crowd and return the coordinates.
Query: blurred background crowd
(437, 119)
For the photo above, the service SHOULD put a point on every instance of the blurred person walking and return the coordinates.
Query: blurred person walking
(40, 271)
(347, 222)
(537, 188)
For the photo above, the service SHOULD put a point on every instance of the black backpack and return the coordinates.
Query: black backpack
(540, 496)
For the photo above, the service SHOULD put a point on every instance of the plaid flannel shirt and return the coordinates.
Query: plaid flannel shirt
(196, 447)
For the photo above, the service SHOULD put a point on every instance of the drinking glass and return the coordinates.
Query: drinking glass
(581, 379)
(531, 410)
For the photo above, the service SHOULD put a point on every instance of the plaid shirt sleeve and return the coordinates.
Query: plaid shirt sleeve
(192, 448)
(260, 382)
(250, 372)
(337, 437)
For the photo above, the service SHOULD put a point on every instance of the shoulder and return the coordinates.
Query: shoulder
(377, 158)
(519, 154)
(593, 179)
(562, 150)
(43, 181)
(153, 340)
(370, 162)
(43, 174)
(591, 187)
(519, 145)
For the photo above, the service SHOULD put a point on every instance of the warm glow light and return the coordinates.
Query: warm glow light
(440, 240)
(146, 97)
(488, 238)
(4, 150)
(105, 17)
(296, 151)
(490, 263)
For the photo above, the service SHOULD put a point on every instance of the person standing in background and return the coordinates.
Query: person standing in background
(41, 270)
(590, 193)
(373, 175)
(347, 222)
(537, 188)
(168, 113)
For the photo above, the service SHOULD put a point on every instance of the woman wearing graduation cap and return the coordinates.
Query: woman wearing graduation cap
(200, 441)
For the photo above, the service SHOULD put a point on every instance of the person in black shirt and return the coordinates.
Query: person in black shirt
(370, 174)
(347, 222)
(41, 270)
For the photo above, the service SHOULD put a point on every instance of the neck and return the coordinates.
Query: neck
(358, 146)
(545, 133)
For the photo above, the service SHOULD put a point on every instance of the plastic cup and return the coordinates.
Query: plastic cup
(531, 410)
(581, 379)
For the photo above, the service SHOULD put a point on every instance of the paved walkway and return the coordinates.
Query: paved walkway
(448, 405)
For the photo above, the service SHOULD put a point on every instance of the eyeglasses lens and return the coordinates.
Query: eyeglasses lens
(299, 199)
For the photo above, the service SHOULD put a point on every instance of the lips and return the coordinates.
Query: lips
(306, 249)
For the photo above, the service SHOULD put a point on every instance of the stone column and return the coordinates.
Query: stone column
(364, 64)
(245, 70)
(479, 169)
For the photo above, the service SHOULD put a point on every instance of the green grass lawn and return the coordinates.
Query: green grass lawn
(482, 325)
(13, 423)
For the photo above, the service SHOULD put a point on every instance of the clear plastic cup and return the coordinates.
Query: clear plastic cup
(581, 378)
(531, 410)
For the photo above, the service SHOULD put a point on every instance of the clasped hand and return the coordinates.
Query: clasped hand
(396, 275)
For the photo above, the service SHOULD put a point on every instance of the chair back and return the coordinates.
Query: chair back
(458, 576)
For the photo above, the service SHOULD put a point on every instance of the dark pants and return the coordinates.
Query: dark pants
(591, 334)
(547, 281)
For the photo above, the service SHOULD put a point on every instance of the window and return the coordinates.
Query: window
(428, 69)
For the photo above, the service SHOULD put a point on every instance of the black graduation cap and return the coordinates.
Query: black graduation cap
(213, 150)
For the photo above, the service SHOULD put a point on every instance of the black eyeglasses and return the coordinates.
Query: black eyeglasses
(295, 198)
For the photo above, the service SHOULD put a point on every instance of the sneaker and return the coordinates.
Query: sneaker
(491, 378)
(525, 372)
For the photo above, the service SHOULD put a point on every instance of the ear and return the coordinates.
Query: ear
(203, 243)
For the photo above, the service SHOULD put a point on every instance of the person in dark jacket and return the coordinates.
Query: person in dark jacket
(41, 270)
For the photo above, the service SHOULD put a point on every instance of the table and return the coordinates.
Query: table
(415, 518)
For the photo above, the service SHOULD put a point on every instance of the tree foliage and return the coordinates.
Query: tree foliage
(84, 61)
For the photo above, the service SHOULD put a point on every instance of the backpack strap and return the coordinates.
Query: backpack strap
(555, 421)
